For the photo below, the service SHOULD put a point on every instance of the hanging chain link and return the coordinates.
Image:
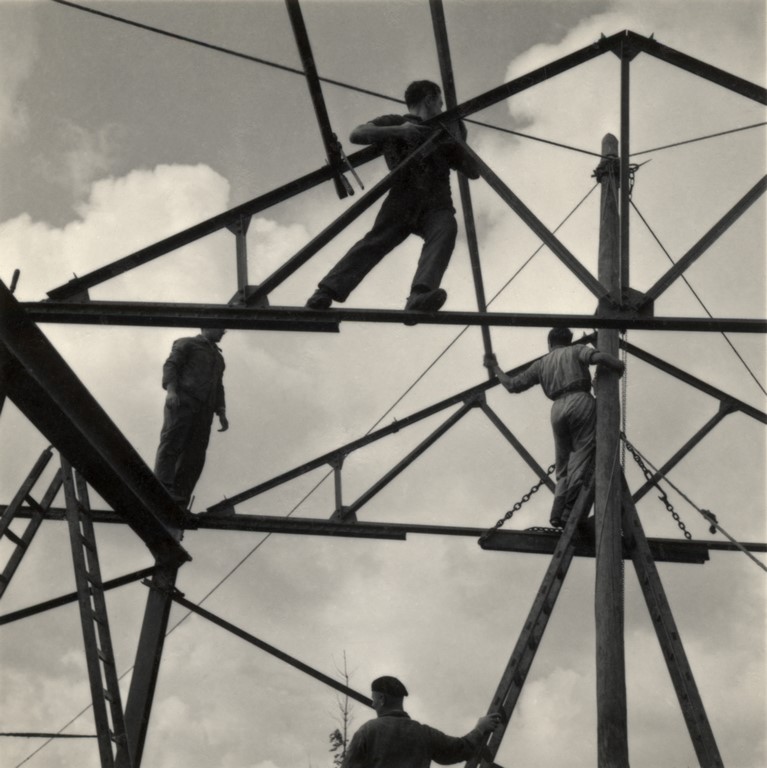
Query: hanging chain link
(649, 477)
(517, 506)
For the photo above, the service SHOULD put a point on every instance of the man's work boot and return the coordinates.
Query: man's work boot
(320, 299)
(425, 301)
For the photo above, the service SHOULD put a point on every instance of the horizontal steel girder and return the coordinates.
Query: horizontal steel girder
(294, 318)
(533, 542)
(47, 391)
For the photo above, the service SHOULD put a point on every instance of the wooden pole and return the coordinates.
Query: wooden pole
(612, 738)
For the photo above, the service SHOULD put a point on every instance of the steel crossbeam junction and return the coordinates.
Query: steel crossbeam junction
(94, 453)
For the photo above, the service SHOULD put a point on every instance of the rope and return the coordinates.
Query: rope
(293, 70)
(700, 301)
(700, 138)
(220, 49)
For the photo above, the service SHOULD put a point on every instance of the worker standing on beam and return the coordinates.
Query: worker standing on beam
(193, 379)
(419, 202)
(564, 377)
(393, 740)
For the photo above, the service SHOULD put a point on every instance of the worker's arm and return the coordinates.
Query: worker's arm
(607, 361)
(370, 133)
(519, 383)
(170, 371)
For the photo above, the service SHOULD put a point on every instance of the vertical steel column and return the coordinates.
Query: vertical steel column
(147, 666)
(240, 231)
(448, 86)
(612, 734)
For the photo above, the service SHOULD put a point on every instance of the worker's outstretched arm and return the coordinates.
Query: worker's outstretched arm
(491, 363)
(519, 383)
(608, 361)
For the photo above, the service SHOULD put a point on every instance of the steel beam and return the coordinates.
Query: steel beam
(223, 220)
(329, 139)
(530, 541)
(253, 640)
(540, 75)
(669, 640)
(298, 319)
(340, 453)
(700, 68)
(706, 241)
(146, 668)
(49, 394)
(71, 597)
(518, 447)
(693, 381)
(723, 411)
(536, 225)
(409, 459)
(451, 101)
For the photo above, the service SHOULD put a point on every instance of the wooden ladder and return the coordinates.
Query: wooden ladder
(521, 660)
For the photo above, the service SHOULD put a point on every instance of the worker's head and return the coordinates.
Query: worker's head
(388, 693)
(213, 334)
(424, 96)
(560, 337)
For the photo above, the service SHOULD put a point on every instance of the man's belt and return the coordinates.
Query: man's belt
(576, 386)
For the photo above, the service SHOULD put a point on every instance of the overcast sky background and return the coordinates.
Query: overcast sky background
(112, 138)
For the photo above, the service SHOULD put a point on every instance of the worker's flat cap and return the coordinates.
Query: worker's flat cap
(389, 685)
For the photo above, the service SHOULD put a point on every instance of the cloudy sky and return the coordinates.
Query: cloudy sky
(112, 138)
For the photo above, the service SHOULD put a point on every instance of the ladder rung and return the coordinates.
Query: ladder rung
(93, 580)
(86, 542)
(95, 616)
(108, 696)
(106, 659)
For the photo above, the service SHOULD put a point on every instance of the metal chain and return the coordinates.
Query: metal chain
(649, 477)
(517, 506)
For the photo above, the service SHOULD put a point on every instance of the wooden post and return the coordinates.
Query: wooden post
(612, 737)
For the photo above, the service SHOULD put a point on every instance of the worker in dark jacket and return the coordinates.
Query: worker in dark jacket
(564, 377)
(419, 202)
(393, 740)
(193, 379)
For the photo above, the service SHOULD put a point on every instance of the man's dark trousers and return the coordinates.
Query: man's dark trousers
(183, 442)
(401, 215)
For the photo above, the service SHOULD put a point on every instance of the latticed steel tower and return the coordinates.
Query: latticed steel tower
(93, 452)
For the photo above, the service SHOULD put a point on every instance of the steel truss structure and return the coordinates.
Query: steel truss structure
(94, 453)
